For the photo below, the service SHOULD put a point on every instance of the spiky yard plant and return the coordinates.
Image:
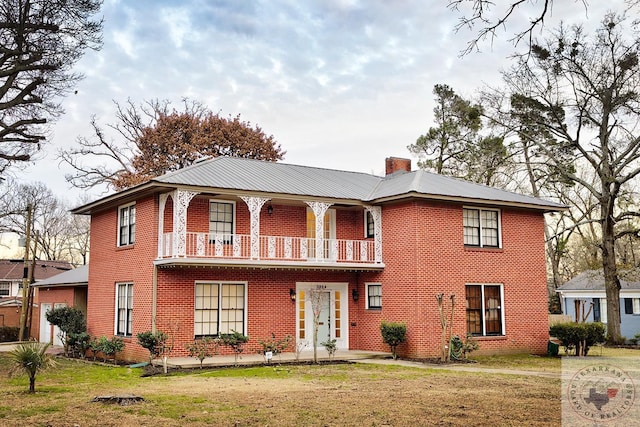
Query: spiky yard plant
(30, 358)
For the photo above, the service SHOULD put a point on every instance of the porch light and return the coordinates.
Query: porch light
(270, 209)
(355, 295)
(292, 295)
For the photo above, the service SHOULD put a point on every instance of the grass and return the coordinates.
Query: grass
(314, 395)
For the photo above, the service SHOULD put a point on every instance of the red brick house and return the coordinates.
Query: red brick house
(237, 244)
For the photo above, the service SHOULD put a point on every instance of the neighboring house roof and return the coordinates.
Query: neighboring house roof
(256, 176)
(593, 280)
(13, 269)
(10, 302)
(76, 277)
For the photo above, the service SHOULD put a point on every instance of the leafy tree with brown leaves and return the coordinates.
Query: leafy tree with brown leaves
(156, 139)
(40, 41)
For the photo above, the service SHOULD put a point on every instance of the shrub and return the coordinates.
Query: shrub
(331, 347)
(578, 336)
(203, 348)
(393, 334)
(154, 342)
(273, 345)
(69, 320)
(236, 341)
(108, 347)
(635, 339)
(30, 358)
(9, 333)
(79, 343)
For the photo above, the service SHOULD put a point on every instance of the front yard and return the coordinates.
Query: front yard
(324, 395)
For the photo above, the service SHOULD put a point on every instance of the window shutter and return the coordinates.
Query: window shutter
(628, 306)
(596, 309)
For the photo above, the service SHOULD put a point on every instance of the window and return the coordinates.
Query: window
(369, 225)
(221, 221)
(600, 310)
(484, 310)
(481, 227)
(124, 309)
(127, 225)
(5, 289)
(219, 308)
(374, 295)
(632, 306)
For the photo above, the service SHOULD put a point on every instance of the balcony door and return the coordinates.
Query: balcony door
(329, 232)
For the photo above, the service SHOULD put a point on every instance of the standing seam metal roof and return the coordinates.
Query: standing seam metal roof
(282, 178)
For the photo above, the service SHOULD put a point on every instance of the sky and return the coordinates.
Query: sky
(340, 84)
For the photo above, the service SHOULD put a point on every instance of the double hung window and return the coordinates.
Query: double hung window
(219, 308)
(481, 227)
(127, 225)
(484, 310)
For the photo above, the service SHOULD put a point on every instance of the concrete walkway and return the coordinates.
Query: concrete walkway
(370, 357)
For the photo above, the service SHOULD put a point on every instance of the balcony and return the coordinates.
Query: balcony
(268, 251)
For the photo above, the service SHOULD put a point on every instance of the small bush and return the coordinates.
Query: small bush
(330, 346)
(79, 343)
(108, 347)
(393, 334)
(30, 358)
(578, 336)
(9, 333)
(236, 341)
(203, 348)
(273, 345)
(154, 342)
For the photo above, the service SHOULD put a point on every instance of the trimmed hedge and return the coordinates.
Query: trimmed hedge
(579, 336)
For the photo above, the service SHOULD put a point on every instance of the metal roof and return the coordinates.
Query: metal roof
(282, 178)
(593, 280)
(77, 276)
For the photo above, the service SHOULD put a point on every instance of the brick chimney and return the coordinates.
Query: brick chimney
(397, 164)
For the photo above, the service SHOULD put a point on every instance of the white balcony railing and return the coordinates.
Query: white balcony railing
(272, 248)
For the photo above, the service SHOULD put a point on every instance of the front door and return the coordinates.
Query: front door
(329, 299)
(324, 318)
(45, 326)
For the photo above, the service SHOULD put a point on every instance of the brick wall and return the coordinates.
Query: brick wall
(422, 249)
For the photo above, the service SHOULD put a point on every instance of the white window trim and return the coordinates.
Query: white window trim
(635, 305)
(233, 215)
(224, 282)
(8, 287)
(603, 310)
(481, 237)
(120, 208)
(115, 317)
(366, 292)
(502, 308)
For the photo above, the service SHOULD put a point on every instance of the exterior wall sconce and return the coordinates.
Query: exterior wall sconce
(355, 295)
(292, 295)
(270, 209)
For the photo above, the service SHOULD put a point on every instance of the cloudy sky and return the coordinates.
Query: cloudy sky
(339, 83)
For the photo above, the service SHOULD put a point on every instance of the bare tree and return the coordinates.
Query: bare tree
(482, 14)
(319, 300)
(154, 138)
(586, 94)
(58, 236)
(40, 42)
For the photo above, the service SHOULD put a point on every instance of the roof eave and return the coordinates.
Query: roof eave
(460, 199)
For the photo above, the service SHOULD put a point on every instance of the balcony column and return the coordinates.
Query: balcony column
(376, 214)
(255, 206)
(319, 210)
(181, 200)
(161, 206)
